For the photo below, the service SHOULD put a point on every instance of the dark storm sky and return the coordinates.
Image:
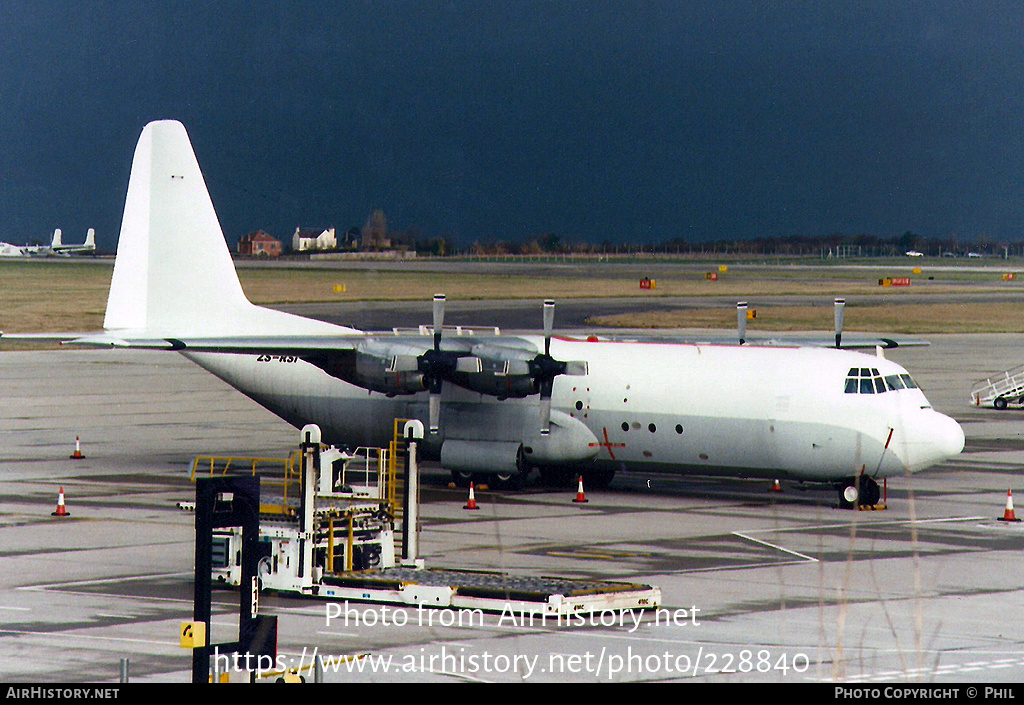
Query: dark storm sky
(628, 121)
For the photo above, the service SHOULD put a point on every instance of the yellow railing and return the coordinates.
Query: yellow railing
(221, 465)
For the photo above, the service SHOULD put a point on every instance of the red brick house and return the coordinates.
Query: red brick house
(259, 244)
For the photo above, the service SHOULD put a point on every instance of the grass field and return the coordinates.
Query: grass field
(59, 296)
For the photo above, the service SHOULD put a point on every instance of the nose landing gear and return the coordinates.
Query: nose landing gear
(858, 492)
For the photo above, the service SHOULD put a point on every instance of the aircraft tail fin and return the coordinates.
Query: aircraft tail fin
(173, 275)
(56, 241)
(90, 238)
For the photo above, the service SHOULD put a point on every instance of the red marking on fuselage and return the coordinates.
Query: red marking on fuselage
(608, 444)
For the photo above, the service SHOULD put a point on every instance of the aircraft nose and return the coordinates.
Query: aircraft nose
(950, 437)
(937, 438)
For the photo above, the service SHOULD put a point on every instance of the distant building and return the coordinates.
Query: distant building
(305, 240)
(259, 243)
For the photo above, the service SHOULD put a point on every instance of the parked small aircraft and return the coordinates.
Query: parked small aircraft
(9, 250)
(58, 247)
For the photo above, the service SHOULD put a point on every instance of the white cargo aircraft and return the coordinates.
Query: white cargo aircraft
(58, 247)
(9, 250)
(504, 405)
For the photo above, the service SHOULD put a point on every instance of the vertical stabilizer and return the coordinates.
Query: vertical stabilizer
(173, 276)
(172, 261)
(55, 242)
(90, 238)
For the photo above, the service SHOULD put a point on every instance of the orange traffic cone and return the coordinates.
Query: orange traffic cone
(579, 493)
(776, 487)
(78, 449)
(61, 511)
(1008, 514)
(472, 499)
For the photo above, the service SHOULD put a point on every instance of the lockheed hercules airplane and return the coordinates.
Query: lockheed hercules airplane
(504, 405)
(58, 247)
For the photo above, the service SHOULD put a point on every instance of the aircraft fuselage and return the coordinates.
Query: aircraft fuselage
(774, 412)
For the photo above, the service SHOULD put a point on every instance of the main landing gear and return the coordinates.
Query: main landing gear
(549, 476)
(501, 480)
(860, 491)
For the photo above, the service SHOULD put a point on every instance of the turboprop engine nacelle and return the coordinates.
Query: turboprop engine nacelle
(371, 371)
(497, 382)
(568, 442)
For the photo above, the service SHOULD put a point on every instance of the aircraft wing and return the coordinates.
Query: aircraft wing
(883, 343)
(794, 342)
(495, 365)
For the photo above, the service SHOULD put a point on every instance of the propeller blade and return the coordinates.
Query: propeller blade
(741, 321)
(840, 305)
(435, 412)
(439, 300)
(545, 415)
(549, 324)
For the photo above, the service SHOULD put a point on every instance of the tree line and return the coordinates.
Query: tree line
(837, 245)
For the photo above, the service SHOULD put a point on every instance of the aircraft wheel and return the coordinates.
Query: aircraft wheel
(999, 403)
(869, 491)
(848, 494)
(461, 478)
(509, 480)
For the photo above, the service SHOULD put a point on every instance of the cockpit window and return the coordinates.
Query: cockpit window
(868, 380)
